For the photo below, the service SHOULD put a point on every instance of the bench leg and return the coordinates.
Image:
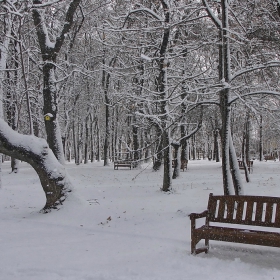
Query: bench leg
(207, 246)
(204, 249)
(193, 246)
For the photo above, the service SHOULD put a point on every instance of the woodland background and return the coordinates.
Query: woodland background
(110, 80)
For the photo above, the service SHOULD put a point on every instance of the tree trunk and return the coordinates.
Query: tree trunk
(158, 151)
(163, 89)
(235, 172)
(177, 161)
(86, 141)
(36, 152)
(261, 139)
(244, 155)
(4, 47)
(75, 144)
(105, 82)
(166, 162)
(50, 111)
(49, 52)
(92, 148)
(216, 153)
(136, 153)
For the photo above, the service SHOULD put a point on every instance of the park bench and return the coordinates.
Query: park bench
(266, 158)
(249, 165)
(184, 164)
(123, 163)
(253, 211)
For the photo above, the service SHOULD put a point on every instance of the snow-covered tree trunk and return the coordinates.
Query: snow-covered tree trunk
(261, 139)
(105, 84)
(36, 152)
(49, 52)
(177, 160)
(86, 148)
(244, 156)
(225, 79)
(158, 150)
(224, 65)
(50, 110)
(163, 89)
(235, 171)
(4, 45)
(216, 153)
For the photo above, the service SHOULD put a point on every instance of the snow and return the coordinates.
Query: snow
(145, 57)
(118, 225)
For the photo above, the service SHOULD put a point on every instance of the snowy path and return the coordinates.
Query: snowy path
(118, 225)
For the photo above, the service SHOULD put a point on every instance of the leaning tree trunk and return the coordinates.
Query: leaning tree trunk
(36, 152)
(235, 172)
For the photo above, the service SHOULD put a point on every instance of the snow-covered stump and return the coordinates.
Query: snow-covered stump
(36, 152)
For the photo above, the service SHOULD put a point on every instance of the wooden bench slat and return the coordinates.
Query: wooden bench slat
(212, 206)
(249, 211)
(239, 211)
(221, 211)
(259, 212)
(268, 212)
(277, 215)
(230, 209)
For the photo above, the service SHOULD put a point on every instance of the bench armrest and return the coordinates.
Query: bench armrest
(194, 216)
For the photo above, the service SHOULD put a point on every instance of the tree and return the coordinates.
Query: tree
(50, 45)
(36, 152)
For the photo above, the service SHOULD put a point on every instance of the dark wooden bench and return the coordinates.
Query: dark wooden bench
(266, 158)
(184, 164)
(244, 211)
(249, 165)
(122, 163)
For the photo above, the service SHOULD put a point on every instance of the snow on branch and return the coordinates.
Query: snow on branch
(273, 63)
(145, 57)
(144, 10)
(269, 92)
(49, 3)
(23, 146)
(210, 13)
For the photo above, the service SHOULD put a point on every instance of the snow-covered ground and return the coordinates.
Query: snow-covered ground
(118, 225)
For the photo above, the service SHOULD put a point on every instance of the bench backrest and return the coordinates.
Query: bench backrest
(245, 210)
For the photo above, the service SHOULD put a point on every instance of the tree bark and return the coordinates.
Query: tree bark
(162, 80)
(36, 152)
(261, 139)
(49, 52)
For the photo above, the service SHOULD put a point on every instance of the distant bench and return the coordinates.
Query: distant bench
(184, 164)
(249, 165)
(252, 211)
(269, 158)
(123, 163)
